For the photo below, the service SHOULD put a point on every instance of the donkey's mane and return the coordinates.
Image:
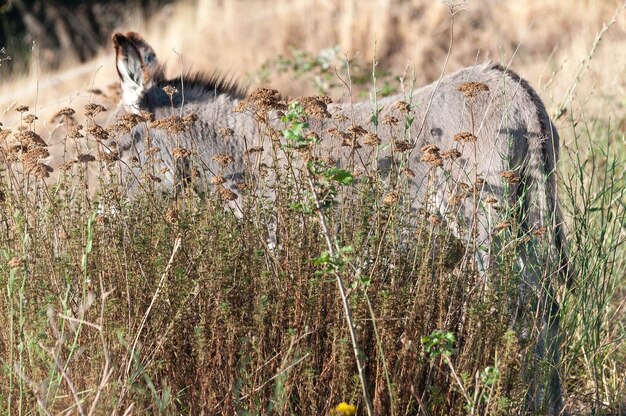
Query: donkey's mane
(198, 81)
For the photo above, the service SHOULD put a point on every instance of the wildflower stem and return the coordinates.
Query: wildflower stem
(344, 299)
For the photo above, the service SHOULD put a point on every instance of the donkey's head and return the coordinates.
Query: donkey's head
(142, 79)
(136, 65)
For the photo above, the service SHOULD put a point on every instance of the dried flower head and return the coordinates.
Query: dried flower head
(402, 106)
(314, 106)
(472, 89)
(451, 154)
(218, 180)
(390, 120)
(372, 139)
(86, 158)
(510, 177)
(431, 155)
(358, 131)
(402, 146)
(349, 140)
(465, 137)
(66, 111)
(254, 149)
(190, 118)
(170, 90)
(430, 148)
(408, 173)
(40, 170)
(226, 132)
(491, 201)
(98, 132)
(30, 138)
(30, 118)
(340, 117)
(92, 109)
(172, 124)
(223, 159)
(227, 194)
(456, 199)
(34, 154)
(181, 153)
(391, 198)
(21, 108)
(502, 225)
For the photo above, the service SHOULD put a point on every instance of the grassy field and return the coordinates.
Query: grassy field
(164, 305)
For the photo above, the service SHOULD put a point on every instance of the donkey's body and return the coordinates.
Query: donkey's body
(513, 132)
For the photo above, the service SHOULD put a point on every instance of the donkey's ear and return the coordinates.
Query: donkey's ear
(146, 51)
(131, 69)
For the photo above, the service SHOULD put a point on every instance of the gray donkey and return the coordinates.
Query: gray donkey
(482, 125)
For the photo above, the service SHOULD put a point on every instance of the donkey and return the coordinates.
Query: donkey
(492, 124)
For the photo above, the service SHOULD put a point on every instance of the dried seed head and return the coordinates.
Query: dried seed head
(340, 117)
(21, 108)
(430, 148)
(510, 177)
(66, 111)
(172, 124)
(181, 153)
(33, 155)
(491, 201)
(433, 159)
(74, 132)
(227, 194)
(30, 118)
(98, 132)
(255, 149)
(465, 137)
(30, 138)
(456, 199)
(189, 119)
(92, 109)
(472, 89)
(402, 146)
(170, 90)
(390, 120)
(358, 131)
(402, 106)
(540, 232)
(40, 170)
(223, 159)
(314, 106)
(372, 139)
(502, 225)
(451, 154)
(349, 140)
(408, 173)
(226, 132)
(218, 180)
(391, 198)
(86, 158)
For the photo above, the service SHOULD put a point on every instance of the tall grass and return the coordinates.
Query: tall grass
(173, 305)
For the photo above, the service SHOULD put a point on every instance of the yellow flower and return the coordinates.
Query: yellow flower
(345, 409)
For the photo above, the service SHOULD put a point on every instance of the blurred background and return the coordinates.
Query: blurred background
(59, 52)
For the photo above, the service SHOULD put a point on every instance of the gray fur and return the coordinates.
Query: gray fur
(514, 133)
